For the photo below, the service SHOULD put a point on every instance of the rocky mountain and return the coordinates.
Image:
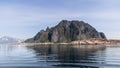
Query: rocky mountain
(67, 31)
(6, 39)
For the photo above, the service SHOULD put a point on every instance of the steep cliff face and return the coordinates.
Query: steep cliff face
(102, 35)
(67, 31)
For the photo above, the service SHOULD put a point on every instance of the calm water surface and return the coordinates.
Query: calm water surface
(59, 56)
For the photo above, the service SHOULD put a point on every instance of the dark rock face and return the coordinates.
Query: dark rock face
(102, 35)
(67, 31)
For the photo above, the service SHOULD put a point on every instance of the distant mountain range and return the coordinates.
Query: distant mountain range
(67, 31)
(7, 39)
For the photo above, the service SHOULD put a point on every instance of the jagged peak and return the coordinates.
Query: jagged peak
(67, 22)
(64, 22)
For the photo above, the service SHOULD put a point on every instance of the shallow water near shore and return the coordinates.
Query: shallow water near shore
(59, 56)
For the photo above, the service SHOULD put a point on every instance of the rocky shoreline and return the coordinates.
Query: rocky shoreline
(92, 41)
(95, 41)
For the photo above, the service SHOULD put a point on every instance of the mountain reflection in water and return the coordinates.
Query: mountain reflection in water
(59, 56)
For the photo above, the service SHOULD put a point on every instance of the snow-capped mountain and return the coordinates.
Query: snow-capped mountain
(7, 39)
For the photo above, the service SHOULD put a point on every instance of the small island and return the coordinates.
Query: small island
(70, 32)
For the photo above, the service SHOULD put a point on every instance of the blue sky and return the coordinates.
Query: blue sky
(24, 18)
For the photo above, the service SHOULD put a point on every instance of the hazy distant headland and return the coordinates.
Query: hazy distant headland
(67, 32)
(9, 40)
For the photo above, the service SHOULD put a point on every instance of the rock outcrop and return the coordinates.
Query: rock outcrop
(67, 31)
